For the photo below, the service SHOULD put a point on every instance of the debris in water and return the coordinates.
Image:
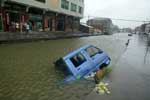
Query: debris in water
(101, 88)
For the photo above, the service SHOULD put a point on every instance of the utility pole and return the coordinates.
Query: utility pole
(88, 20)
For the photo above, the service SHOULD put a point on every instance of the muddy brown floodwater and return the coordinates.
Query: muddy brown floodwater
(27, 71)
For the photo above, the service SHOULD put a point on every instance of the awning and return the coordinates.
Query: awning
(35, 17)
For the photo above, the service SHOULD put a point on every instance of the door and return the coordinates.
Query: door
(81, 64)
(95, 55)
(1, 23)
(50, 24)
(61, 23)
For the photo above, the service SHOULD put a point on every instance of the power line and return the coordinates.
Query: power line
(129, 20)
(121, 19)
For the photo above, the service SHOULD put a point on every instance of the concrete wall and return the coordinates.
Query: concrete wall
(31, 3)
(53, 5)
(4, 37)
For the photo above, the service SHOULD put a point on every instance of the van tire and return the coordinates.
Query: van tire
(103, 66)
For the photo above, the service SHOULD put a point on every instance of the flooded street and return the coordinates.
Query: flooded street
(130, 78)
(27, 71)
(38, 35)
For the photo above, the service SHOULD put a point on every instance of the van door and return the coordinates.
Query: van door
(81, 63)
(95, 54)
(90, 63)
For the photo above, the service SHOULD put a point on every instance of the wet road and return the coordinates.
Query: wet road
(130, 78)
(27, 71)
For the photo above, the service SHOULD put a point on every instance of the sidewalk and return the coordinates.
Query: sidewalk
(130, 78)
(16, 36)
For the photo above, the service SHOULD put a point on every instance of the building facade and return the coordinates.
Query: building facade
(86, 29)
(103, 24)
(41, 15)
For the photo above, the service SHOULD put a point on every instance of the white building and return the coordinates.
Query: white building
(47, 15)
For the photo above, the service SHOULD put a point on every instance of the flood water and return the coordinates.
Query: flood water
(27, 71)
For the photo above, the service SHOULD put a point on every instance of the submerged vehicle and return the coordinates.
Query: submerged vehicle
(82, 62)
(130, 34)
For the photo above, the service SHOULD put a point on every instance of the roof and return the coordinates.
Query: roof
(101, 19)
(76, 51)
(86, 25)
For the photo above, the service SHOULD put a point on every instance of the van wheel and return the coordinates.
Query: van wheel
(103, 66)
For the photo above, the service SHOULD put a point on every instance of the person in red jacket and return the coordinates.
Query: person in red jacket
(98, 76)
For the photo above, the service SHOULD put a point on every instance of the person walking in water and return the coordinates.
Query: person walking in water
(98, 76)
(128, 42)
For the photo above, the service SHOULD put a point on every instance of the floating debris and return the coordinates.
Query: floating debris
(102, 88)
(90, 77)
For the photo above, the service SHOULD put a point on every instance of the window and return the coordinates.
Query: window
(43, 1)
(80, 10)
(92, 51)
(64, 4)
(73, 7)
(78, 59)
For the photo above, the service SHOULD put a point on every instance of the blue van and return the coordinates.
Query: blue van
(82, 62)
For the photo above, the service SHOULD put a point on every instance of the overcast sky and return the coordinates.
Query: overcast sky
(122, 9)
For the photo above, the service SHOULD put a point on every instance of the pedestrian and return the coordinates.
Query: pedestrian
(27, 28)
(98, 76)
(17, 27)
(128, 42)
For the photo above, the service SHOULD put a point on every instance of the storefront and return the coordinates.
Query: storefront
(76, 23)
(60, 23)
(1, 23)
(50, 23)
(13, 21)
(1, 16)
(69, 24)
(72, 24)
(47, 23)
(35, 22)
(3, 20)
(14, 18)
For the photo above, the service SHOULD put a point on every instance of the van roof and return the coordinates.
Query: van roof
(76, 51)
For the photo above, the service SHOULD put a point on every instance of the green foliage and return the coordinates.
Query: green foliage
(106, 71)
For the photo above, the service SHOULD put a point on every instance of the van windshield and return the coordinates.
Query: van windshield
(92, 51)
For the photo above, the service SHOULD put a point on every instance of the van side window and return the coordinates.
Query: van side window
(78, 59)
(92, 51)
